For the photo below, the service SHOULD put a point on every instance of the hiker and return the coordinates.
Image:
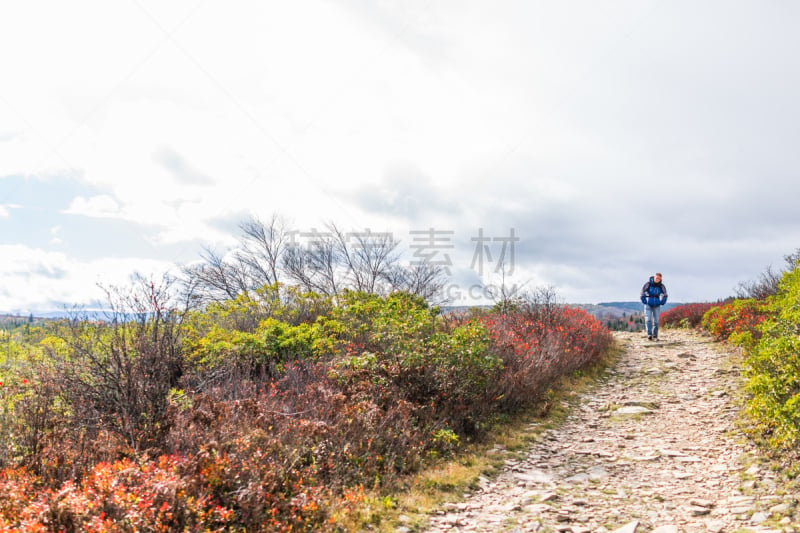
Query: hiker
(654, 295)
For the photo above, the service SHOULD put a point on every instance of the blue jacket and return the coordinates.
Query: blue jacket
(654, 294)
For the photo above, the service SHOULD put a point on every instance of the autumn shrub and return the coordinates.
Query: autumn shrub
(773, 367)
(736, 320)
(277, 426)
(123, 496)
(537, 346)
(686, 315)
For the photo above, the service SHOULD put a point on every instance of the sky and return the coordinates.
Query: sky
(587, 144)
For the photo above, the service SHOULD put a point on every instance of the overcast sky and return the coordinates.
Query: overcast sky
(613, 139)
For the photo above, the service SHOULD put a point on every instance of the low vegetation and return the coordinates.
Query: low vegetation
(686, 315)
(275, 410)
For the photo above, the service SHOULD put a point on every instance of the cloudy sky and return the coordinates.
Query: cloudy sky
(612, 139)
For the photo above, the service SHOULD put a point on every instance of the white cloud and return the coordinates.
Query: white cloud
(591, 128)
(100, 206)
(40, 280)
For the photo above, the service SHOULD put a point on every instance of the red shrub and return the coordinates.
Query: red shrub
(686, 315)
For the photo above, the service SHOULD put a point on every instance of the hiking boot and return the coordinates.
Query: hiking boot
(649, 337)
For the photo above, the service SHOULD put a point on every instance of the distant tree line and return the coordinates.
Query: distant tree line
(632, 322)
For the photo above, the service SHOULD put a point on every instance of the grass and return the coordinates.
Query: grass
(452, 480)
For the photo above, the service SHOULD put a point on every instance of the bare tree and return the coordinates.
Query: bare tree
(117, 373)
(316, 266)
(216, 278)
(367, 257)
(766, 284)
(421, 279)
(263, 245)
(331, 261)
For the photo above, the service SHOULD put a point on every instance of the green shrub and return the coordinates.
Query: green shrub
(773, 367)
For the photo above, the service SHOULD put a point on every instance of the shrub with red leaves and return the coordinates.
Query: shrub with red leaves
(687, 315)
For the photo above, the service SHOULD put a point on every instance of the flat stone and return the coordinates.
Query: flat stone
(715, 526)
(759, 517)
(688, 459)
(597, 473)
(672, 453)
(630, 527)
(578, 478)
(699, 511)
(654, 457)
(537, 508)
(633, 410)
(534, 476)
(781, 508)
(701, 503)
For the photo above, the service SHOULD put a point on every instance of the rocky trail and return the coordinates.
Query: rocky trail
(652, 447)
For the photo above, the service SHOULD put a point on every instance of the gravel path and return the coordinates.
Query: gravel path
(652, 447)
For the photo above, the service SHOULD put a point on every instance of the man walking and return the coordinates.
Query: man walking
(654, 295)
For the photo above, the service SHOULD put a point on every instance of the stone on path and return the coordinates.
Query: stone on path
(633, 410)
(666, 529)
(630, 527)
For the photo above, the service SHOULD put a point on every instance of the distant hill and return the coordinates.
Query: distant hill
(607, 310)
(635, 306)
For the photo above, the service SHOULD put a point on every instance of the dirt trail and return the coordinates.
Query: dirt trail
(653, 446)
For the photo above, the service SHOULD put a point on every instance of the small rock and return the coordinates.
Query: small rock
(759, 517)
(715, 526)
(701, 503)
(781, 508)
(666, 529)
(699, 511)
(688, 459)
(672, 453)
(537, 508)
(597, 473)
(578, 478)
(630, 527)
(534, 476)
(752, 471)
